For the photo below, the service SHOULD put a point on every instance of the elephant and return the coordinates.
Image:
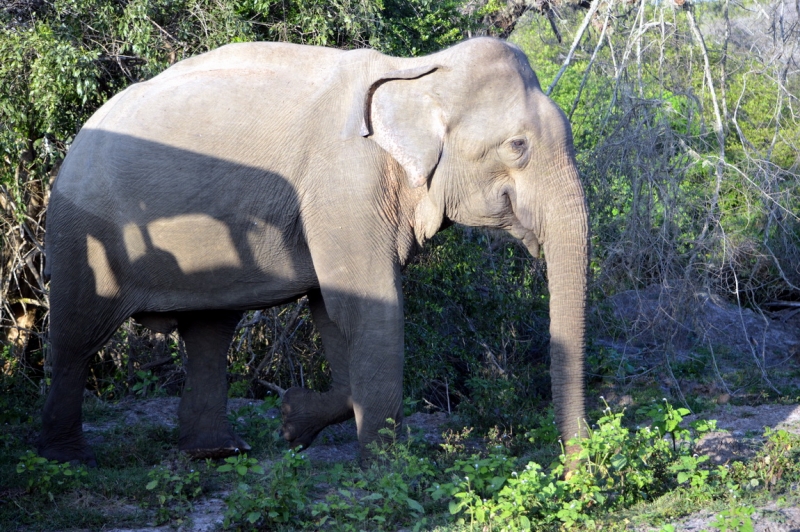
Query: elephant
(258, 173)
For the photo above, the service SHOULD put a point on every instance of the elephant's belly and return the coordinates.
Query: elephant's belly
(164, 286)
(194, 261)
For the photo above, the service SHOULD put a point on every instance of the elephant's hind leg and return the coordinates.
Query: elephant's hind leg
(204, 428)
(76, 334)
(62, 437)
(306, 412)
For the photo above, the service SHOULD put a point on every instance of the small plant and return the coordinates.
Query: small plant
(689, 470)
(667, 420)
(606, 361)
(454, 442)
(146, 383)
(255, 422)
(174, 491)
(546, 432)
(49, 477)
(774, 467)
(241, 464)
(486, 475)
(344, 506)
(262, 499)
(385, 496)
(734, 520)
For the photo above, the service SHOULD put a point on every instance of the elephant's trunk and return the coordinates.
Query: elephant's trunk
(566, 250)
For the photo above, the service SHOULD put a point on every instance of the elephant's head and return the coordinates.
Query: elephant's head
(482, 145)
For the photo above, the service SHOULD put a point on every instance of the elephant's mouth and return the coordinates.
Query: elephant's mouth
(532, 243)
(516, 225)
(513, 223)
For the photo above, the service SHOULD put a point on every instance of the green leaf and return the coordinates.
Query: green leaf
(414, 505)
(454, 507)
(151, 485)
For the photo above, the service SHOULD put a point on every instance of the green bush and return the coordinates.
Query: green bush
(174, 489)
(616, 468)
(48, 477)
(265, 499)
(388, 494)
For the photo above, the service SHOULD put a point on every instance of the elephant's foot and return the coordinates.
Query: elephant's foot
(306, 413)
(77, 453)
(204, 445)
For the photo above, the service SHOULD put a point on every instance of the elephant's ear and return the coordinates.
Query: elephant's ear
(406, 122)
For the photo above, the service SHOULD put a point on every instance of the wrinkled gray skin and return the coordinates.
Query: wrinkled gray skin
(257, 173)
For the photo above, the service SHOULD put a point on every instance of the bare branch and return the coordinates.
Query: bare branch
(578, 36)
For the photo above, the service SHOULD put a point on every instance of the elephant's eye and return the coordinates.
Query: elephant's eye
(515, 152)
(518, 145)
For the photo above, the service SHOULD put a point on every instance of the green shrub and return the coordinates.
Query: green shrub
(734, 520)
(174, 489)
(48, 477)
(256, 424)
(264, 499)
(389, 494)
(616, 469)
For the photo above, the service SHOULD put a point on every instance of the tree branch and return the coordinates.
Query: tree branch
(578, 36)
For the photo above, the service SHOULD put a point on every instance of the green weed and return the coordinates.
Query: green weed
(174, 489)
(255, 423)
(734, 520)
(387, 495)
(265, 499)
(775, 466)
(48, 477)
(147, 383)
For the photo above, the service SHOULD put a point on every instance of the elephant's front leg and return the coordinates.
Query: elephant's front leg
(371, 320)
(306, 412)
(376, 372)
(205, 431)
(362, 330)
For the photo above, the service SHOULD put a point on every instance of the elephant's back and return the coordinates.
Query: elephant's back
(220, 136)
(215, 126)
(260, 57)
(247, 105)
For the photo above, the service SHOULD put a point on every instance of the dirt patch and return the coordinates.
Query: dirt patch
(742, 429)
(773, 517)
(743, 421)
